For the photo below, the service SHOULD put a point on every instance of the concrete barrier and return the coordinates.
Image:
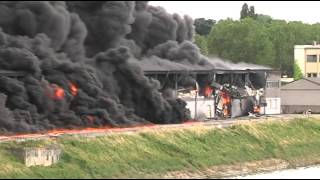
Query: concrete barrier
(39, 156)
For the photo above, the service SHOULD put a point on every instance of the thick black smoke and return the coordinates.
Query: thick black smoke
(95, 47)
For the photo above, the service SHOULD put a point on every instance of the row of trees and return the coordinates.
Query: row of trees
(258, 39)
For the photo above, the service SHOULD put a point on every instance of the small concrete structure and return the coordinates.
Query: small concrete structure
(39, 156)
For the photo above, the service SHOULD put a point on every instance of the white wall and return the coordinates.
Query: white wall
(299, 57)
(205, 107)
(273, 106)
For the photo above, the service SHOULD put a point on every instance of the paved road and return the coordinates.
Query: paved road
(300, 173)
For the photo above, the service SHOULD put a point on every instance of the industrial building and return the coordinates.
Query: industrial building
(307, 57)
(224, 93)
(218, 93)
(300, 96)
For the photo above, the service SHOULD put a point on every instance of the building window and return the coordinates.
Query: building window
(310, 75)
(311, 58)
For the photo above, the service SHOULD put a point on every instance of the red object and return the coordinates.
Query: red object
(208, 91)
(73, 89)
(256, 109)
(226, 99)
(58, 92)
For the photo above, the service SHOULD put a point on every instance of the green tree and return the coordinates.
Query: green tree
(201, 43)
(260, 40)
(241, 41)
(203, 26)
(244, 11)
(251, 12)
(247, 12)
(297, 73)
(263, 18)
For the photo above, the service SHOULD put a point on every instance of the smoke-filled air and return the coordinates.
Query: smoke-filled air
(83, 64)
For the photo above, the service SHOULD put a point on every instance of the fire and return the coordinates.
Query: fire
(226, 102)
(226, 98)
(73, 89)
(256, 109)
(58, 132)
(58, 92)
(208, 91)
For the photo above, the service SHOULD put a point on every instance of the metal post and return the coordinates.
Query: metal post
(195, 103)
(214, 96)
(196, 100)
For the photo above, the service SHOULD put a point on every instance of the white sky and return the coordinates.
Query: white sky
(305, 11)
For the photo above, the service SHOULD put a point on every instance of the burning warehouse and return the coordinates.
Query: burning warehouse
(223, 93)
(87, 64)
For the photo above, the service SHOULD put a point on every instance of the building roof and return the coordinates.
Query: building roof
(307, 46)
(165, 67)
(303, 84)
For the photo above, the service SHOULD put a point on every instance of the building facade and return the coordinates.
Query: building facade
(233, 93)
(273, 93)
(300, 96)
(307, 58)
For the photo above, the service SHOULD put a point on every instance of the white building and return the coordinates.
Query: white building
(307, 58)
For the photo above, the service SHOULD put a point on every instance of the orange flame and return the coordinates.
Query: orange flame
(226, 99)
(58, 132)
(58, 92)
(74, 89)
(208, 91)
(256, 109)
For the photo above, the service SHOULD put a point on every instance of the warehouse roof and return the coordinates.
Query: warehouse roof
(160, 66)
(303, 84)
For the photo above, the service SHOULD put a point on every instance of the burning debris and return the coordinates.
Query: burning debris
(241, 98)
(84, 64)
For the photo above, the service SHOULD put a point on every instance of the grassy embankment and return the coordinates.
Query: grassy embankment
(154, 154)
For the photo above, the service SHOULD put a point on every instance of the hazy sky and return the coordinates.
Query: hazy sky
(306, 11)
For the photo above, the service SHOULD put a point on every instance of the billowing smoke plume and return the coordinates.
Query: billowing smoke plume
(82, 64)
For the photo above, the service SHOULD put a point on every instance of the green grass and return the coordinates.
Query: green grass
(150, 154)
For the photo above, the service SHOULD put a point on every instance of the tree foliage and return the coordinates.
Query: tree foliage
(297, 73)
(241, 41)
(202, 43)
(261, 41)
(257, 39)
(203, 26)
(247, 11)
